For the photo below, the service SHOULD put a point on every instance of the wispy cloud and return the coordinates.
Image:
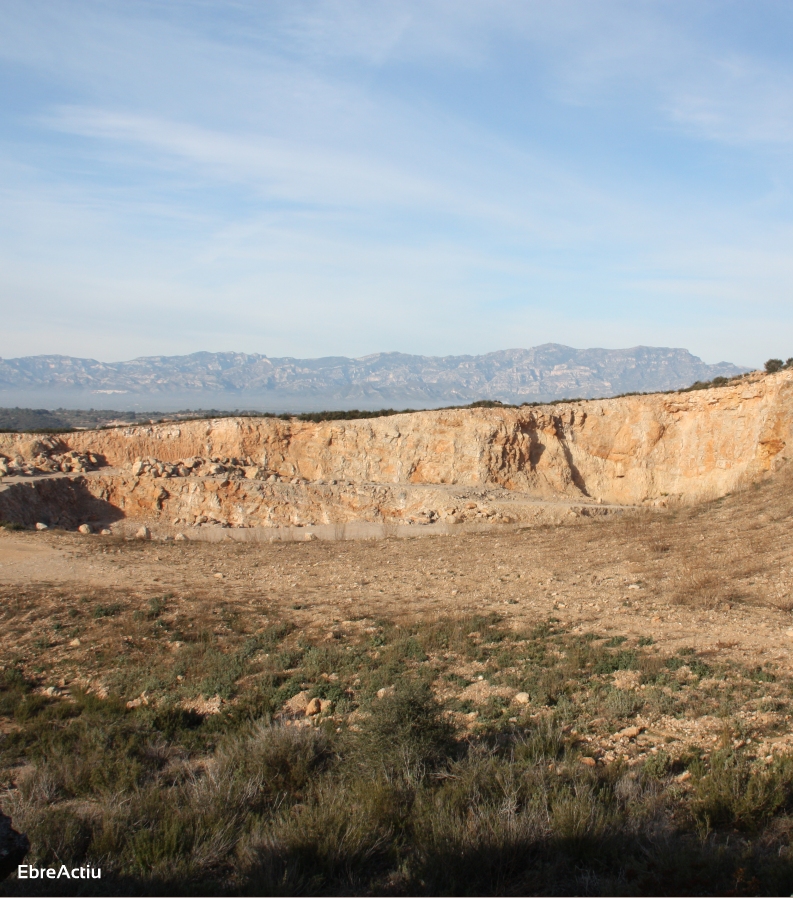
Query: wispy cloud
(320, 177)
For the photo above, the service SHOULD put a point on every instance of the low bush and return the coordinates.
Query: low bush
(405, 734)
(731, 792)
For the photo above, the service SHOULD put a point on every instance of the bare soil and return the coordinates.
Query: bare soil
(717, 578)
(713, 579)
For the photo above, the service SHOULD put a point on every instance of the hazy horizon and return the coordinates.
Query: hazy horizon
(379, 380)
(365, 355)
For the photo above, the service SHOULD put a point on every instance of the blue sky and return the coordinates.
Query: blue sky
(440, 177)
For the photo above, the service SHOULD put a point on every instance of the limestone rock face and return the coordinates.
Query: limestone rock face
(245, 503)
(655, 449)
(633, 449)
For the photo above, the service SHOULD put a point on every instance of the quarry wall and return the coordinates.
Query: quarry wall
(655, 449)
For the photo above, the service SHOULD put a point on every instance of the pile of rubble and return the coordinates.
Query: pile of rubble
(197, 466)
(48, 461)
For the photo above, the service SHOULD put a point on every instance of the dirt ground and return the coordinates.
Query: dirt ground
(655, 642)
(716, 578)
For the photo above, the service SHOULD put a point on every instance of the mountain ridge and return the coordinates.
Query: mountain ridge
(541, 373)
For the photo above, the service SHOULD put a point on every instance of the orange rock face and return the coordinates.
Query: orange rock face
(688, 446)
(661, 448)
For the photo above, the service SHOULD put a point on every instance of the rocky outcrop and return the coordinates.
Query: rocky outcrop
(688, 446)
(99, 500)
(657, 449)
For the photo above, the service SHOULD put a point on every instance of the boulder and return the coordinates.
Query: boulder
(41, 526)
(297, 704)
(143, 533)
(85, 529)
(630, 732)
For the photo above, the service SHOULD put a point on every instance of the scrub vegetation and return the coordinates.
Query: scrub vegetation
(457, 755)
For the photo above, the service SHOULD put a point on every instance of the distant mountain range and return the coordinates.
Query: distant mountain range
(239, 380)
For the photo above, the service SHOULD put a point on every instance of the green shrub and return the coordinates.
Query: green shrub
(614, 642)
(405, 733)
(274, 634)
(699, 668)
(326, 848)
(657, 765)
(541, 743)
(733, 792)
(411, 649)
(173, 722)
(610, 663)
(760, 675)
(29, 706)
(274, 763)
(107, 610)
(623, 703)
(331, 692)
(14, 687)
(156, 607)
